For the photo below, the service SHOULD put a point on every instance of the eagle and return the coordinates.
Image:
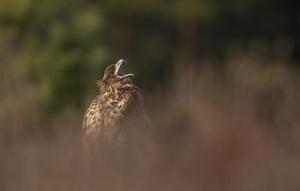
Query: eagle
(117, 114)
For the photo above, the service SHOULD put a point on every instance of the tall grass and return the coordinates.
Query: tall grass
(231, 128)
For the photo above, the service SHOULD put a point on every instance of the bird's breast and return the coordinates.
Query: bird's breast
(112, 111)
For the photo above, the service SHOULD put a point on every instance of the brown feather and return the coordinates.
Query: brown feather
(117, 114)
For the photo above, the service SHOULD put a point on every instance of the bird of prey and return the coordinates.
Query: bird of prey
(117, 114)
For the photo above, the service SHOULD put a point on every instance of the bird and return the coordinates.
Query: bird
(117, 114)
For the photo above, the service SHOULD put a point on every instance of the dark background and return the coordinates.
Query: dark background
(61, 47)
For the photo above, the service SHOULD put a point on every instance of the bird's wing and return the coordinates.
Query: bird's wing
(92, 122)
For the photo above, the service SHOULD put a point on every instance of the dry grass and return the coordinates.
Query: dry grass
(214, 130)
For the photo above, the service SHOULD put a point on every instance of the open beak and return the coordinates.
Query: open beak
(119, 72)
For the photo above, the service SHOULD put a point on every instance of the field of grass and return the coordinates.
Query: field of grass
(235, 128)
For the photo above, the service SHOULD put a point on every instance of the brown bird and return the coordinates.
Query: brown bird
(117, 114)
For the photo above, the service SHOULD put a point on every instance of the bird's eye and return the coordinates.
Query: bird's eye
(112, 72)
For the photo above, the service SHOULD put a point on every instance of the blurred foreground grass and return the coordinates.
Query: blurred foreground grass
(230, 129)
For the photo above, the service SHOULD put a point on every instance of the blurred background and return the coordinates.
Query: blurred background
(220, 80)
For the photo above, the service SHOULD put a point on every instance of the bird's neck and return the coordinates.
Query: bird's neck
(116, 92)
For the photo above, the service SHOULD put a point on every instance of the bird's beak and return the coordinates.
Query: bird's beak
(118, 71)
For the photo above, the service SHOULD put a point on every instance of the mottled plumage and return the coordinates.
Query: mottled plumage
(117, 114)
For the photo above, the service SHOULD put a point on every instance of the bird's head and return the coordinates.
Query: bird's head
(114, 76)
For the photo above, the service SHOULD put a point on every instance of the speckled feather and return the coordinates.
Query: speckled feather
(117, 114)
